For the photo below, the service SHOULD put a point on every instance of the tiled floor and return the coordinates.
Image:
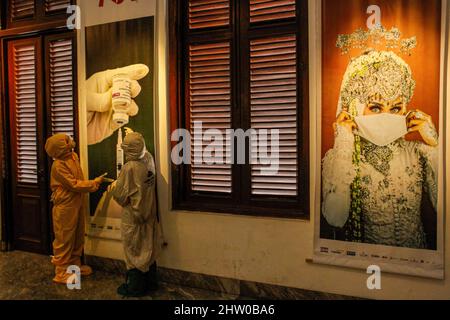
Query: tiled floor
(25, 276)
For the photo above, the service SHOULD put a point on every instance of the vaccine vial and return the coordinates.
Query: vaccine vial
(121, 98)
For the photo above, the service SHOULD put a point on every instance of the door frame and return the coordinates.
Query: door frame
(6, 205)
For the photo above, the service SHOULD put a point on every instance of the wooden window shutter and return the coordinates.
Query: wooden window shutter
(209, 100)
(52, 6)
(245, 72)
(61, 85)
(22, 9)
(209, 13)
(273, 101)
(23, 99)
(268, 10)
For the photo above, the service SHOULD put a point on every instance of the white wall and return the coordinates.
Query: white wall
(266, 250)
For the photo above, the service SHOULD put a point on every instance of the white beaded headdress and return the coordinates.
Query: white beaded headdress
(375, 72)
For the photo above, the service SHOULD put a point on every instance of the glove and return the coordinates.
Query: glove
(99, 100)
(111, 186)
(99, 180)
(128, 130)
(421, 122)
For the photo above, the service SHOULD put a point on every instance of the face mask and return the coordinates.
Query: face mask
(71, 144)
(144, 151)
(381, 129)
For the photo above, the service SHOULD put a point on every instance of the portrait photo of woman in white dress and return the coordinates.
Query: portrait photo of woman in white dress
(376, 181)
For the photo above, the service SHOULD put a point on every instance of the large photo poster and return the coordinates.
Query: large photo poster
(119, 86)
(380, 200)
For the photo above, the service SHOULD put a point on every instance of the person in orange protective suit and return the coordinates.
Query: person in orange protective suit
(68, 188)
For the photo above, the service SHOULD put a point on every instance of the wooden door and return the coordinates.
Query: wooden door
(28, 161)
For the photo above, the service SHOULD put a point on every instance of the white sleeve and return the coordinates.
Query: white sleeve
(338, 174)
(430, 158)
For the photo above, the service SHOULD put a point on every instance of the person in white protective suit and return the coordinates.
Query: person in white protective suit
(373, 179)
(142, 240)
(99, 105)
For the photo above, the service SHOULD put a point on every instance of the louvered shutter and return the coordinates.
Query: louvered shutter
(25, 113)
(273, 103)
(268, 10)
(56, 5)
(21, 9)
(209, 98)
(209, 13)
(61, 86)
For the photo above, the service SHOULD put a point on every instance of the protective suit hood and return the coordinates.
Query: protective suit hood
(59, 146)
(133, 145)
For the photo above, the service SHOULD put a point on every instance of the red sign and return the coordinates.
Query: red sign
(102, 2)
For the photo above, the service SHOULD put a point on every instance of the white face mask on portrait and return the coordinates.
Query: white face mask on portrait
(381, 129)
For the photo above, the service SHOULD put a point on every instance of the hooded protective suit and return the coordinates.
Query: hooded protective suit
(135, 192)
(68, 186)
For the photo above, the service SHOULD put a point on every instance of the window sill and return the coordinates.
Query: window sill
(280, 213)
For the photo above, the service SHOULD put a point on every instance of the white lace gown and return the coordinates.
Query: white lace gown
(392, 182)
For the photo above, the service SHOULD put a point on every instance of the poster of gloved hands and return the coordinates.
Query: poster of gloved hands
(119, 100)
(380, 198)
